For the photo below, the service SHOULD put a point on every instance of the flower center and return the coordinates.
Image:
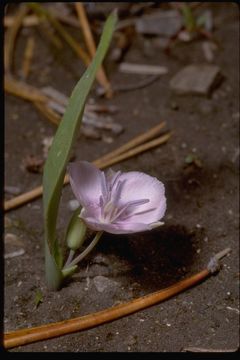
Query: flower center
(111, 207)
(112, 212)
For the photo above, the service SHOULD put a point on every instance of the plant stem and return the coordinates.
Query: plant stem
(87, 250)
(69, 259)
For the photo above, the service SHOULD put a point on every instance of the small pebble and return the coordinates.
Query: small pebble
(15, 116)
(236, 115)
(174, 106)
(103, 283)
(14, 254)
(73, 205)
(107, 139)
(13, 190)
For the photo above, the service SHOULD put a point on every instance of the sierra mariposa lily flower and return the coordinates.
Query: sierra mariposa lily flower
(116, 202)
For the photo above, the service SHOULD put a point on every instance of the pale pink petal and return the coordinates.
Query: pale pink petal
(91, 211)
(87, 182)
(117, 228)
(117, 203)
(137, 185)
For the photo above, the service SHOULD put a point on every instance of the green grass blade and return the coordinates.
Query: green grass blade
(55, 166)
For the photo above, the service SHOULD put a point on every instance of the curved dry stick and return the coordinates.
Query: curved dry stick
(27, 336)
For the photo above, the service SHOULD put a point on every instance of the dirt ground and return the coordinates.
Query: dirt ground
(202, 215)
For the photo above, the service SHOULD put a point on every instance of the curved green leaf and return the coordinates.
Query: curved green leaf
(55, 166)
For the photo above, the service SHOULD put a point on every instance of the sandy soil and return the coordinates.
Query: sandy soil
(202, 216)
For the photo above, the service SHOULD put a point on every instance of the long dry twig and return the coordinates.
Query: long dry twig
(27, 336)
(29, 20)
(23, 90)
(92, 47)
(33, 20)
(11, 35)
(133, 152)
(37, 192)
(28, 55)
(140, 139)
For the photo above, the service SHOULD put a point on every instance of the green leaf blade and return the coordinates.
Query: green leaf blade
(59, 153)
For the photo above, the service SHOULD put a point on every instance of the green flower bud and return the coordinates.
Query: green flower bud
(76, 232)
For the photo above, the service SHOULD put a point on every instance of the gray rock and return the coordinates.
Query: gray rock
(165, 23)
(102, 283)
(13, 246)
(13, 190)
(101, 260)
(90, 132)
(196, 79)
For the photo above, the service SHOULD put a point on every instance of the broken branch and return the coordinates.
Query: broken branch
(140, 139)
(37, 192)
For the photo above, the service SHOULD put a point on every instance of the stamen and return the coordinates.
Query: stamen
(105, 192)
(117, 192)
(125, 207)
(138, 213)
(101, 203)
(108, 210)
(115, 177)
